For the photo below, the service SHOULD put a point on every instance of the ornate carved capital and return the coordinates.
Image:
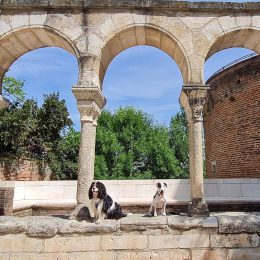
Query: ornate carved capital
(90, 103)
(196, 97)
(3, 102)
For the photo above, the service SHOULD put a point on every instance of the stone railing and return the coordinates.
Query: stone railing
(136, 192)
(233, 236)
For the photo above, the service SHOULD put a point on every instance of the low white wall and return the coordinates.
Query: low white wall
(136, 192)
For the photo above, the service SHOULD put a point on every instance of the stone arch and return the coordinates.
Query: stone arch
(244, 37)
(143, 35)
(17, 42)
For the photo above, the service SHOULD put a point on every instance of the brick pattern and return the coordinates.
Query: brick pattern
(6, 200)
(23, 170)
(232, 122)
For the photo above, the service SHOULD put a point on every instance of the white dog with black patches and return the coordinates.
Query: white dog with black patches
(158, 198)
(102, 205)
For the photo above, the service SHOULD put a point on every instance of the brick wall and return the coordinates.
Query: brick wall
(23, 170)
(232, 122)
(6, 200)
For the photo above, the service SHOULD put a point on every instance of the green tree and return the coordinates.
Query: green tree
(17, 125)
(29, 131)
(130, 145)
(13, 90)
(64, 158)
(179, 141)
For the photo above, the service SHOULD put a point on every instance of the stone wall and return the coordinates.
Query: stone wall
(134, 237)
(23, 170)
(232, 122)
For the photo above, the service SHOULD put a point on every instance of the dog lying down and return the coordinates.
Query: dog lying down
(158, 198)
(102, 205)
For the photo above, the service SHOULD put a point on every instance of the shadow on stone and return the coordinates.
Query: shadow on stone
(81, 213)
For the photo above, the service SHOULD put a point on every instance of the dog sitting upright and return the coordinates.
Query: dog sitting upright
(102, 205)
(158, 198)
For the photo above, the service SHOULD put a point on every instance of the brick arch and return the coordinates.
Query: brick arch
(239, 37)
(20, 41)
(144, 35)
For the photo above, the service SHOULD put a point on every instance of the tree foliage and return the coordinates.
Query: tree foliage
(130, 145)
(13, 90)
(179, 141)
(29, 131)
(63, 160)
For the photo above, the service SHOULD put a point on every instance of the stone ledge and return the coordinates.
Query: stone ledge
(143, 4)
(47, 226)
(245, 222)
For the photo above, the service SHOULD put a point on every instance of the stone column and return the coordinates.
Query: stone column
(90, 102)
(193, 100)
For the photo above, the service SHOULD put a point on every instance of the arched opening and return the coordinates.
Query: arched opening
(230, 115)
(144, 35)
(244, 38)
(145, 78)
(18, 42)
(45, 71)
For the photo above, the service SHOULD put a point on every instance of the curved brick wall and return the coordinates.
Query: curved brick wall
(232, 122)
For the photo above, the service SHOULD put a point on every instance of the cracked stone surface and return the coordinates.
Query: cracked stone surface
(48, 226)
(239, 223)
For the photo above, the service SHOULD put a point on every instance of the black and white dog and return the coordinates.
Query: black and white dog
(159, 197)
(102, 205)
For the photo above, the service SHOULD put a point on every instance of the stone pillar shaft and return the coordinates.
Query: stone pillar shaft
(90, 103)
(86, 160)
(193, 99)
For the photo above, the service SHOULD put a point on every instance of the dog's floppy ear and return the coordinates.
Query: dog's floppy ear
(102, 192)
(165, 184)
(90, 193)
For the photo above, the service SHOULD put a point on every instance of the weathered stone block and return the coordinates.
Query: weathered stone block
(133, 255)
(20, 20)
(42, 228)
(72, 244)
(186, 223)
(244, 254)
(4, 256)
(37, 17)
(135, 222)
(73, 226)
(98, 255)
(128, 242)
(40, 256)
(248, 223)
(233, 241)
(19, 243)
(211, 254)
(179, 241)
(4, 27)
(12, 225)
(176, 254)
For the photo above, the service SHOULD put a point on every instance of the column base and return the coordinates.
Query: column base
(81, 213)
(198, 208)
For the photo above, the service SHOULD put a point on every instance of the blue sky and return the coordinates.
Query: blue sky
(142, 76)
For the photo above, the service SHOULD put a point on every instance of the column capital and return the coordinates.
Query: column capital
(196, 96)
(90, 102)
(3, 102)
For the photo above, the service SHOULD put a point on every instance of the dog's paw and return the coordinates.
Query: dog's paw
(129, 214)
(98, 221)
(164, 213)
